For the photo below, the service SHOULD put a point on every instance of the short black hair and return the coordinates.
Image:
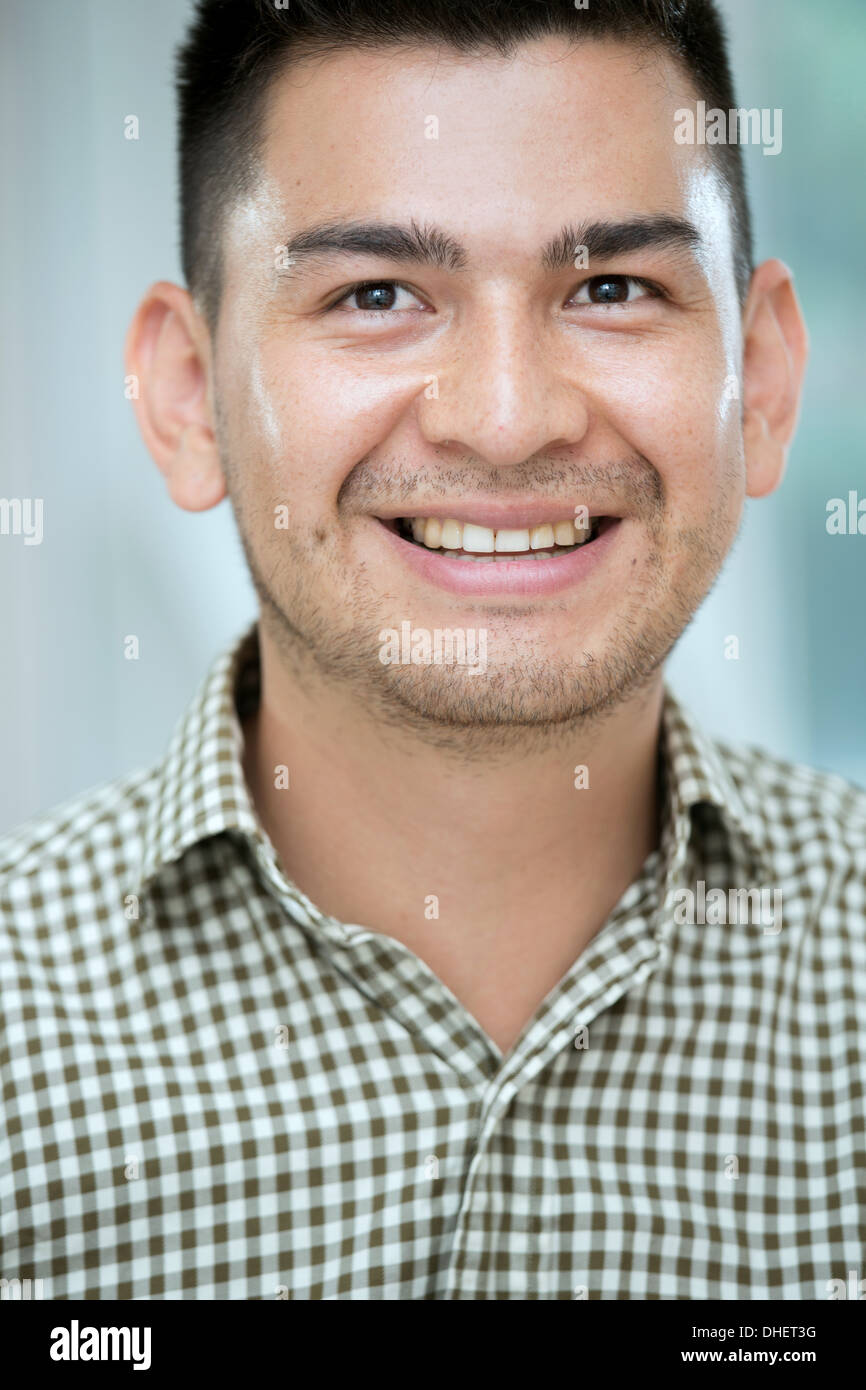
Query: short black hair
(235, 48)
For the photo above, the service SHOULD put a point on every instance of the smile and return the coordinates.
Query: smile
(459, 540)
(468, 558)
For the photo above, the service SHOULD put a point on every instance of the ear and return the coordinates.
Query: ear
(168, 351)
(776, 347)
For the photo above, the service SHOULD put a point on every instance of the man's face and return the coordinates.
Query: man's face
(500, 386)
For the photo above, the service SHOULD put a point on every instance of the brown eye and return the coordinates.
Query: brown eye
(381, 295)
(375, 296)
(609, 289)
(614, 289)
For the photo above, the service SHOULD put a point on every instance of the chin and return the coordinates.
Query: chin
(522, 696)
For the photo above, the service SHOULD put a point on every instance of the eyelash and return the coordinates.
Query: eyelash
(654, 291)
(369, 285)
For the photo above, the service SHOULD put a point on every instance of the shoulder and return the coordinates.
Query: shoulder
(812, 824)
(791, 793)
(67, 862)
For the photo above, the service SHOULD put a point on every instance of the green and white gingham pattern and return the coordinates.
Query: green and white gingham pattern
(211, 1090)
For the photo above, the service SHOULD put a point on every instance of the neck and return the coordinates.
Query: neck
(497, 871)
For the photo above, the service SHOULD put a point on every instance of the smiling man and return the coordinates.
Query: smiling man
(407, 975)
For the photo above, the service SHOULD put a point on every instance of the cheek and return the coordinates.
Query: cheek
(331, 414)
(681, 411)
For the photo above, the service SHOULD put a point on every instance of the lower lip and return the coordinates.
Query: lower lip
(533, 578)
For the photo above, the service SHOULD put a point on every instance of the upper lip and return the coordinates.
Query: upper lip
(498, 516)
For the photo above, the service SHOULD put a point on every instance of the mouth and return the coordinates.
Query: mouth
(529, 561)
(459, 540)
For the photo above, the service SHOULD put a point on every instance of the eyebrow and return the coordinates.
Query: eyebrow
(603, 240)
(426, 245)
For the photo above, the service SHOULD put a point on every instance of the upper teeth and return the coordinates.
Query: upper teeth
(465, 535)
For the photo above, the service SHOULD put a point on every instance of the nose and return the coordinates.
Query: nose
(508, 394)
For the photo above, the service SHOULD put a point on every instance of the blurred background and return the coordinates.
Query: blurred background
(91, 220)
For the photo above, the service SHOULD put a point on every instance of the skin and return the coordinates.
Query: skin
(666, 410)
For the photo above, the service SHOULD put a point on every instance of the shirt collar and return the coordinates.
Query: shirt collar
(698, 771)
(201, 789)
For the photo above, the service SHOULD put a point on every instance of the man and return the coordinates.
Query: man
(445, 957)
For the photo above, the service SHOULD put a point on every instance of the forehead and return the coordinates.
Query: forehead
(494, 147)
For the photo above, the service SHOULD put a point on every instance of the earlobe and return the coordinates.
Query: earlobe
(775, 353)
(766, 456)
(194, 477)
(167, 351)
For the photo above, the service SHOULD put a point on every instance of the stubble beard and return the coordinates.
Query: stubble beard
(524, 700)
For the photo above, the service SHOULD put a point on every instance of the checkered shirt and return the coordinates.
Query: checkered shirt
(211, 1089)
